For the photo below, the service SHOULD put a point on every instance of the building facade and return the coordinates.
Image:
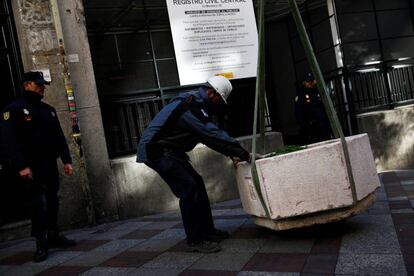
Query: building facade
(112, 65)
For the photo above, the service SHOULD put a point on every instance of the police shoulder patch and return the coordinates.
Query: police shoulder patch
(6, 115)
(204, 113)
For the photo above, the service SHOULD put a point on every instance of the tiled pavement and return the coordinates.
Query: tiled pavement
(378, 242)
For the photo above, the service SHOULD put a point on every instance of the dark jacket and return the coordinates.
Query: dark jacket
(309, 107)
(31, 132)
(181, 125)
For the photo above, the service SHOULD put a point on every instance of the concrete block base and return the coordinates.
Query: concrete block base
(308, 182)
(317, 218)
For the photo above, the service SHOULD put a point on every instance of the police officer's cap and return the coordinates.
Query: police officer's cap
(35, 76)
(309, 77)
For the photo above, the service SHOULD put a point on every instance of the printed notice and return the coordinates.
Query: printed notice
(213, 37)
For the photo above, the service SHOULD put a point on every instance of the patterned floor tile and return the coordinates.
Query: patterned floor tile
(370, 264)
(407, 245)
(236, 203)
(321, 264)
(109, 234)
(405, 175)
(409, 263)
(287, 246)
(130, 259)
(229, 225)
(142, 234)
(79, 234)
(380, 196)
(117, 245)
(160, 225)
(6, 253)
(236, 212)
(379, 208)
(327, 245)
(242, 245)
(179, 225)
(25, 270)
(90, 258)
(370, 235)
(250, 233)
(223, 261)
(399, 204)
(27, 245)
(405, 231)
(402, 211)
(18, 258)
(108, 271)
(4, 269)
(219, 212)
(276, 262)
(87, 245)
(142, 271)
(173, 234)
(63, 271)
(179, 247)
(173, 260)
(131, 225)
(208, 273)
(153, 245)
(264, 273)
(57, 257)
(389, 178)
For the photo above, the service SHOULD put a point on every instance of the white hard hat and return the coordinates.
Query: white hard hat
(222, 86)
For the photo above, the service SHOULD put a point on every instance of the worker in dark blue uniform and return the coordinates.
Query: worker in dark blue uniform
(33, 140)
(177, 129)
(310, 112)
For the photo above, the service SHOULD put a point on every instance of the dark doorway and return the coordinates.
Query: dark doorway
(13, 201)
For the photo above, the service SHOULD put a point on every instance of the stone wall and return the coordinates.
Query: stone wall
(391, 135)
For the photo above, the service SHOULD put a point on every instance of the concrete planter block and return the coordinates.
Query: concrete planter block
(309, 181)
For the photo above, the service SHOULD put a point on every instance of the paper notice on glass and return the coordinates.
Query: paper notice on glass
(213, 37)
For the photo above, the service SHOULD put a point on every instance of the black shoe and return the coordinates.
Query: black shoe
(217, 235)
(60, 241)
(41, 251)
(203, 247)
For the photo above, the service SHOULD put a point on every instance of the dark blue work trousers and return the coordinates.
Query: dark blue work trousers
(188, 186)
(44, 197)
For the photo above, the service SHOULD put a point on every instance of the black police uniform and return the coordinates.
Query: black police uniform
(311, 115)
(34, 139)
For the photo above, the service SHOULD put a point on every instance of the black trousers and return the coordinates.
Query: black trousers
(44, 197)
(188, 186)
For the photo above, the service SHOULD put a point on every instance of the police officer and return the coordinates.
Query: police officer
(177, 129)
(310, 112)
(34, 140)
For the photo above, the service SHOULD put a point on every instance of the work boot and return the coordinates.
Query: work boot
(203, 247)
(216, 236)
(41, 251)
(55, 239)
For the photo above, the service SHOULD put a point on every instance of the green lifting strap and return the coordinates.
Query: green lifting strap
(327, 102)
(259, 98)
(259, 106)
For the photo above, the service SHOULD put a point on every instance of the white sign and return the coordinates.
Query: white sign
(73, 58)
(45, 72)
(213, 37)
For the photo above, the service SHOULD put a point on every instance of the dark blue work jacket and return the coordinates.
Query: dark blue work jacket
(181, 125)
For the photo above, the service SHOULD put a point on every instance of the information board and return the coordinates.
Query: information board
(213, 37)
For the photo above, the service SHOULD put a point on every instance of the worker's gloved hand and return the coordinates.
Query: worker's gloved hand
(235, 160)
(257, 157)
